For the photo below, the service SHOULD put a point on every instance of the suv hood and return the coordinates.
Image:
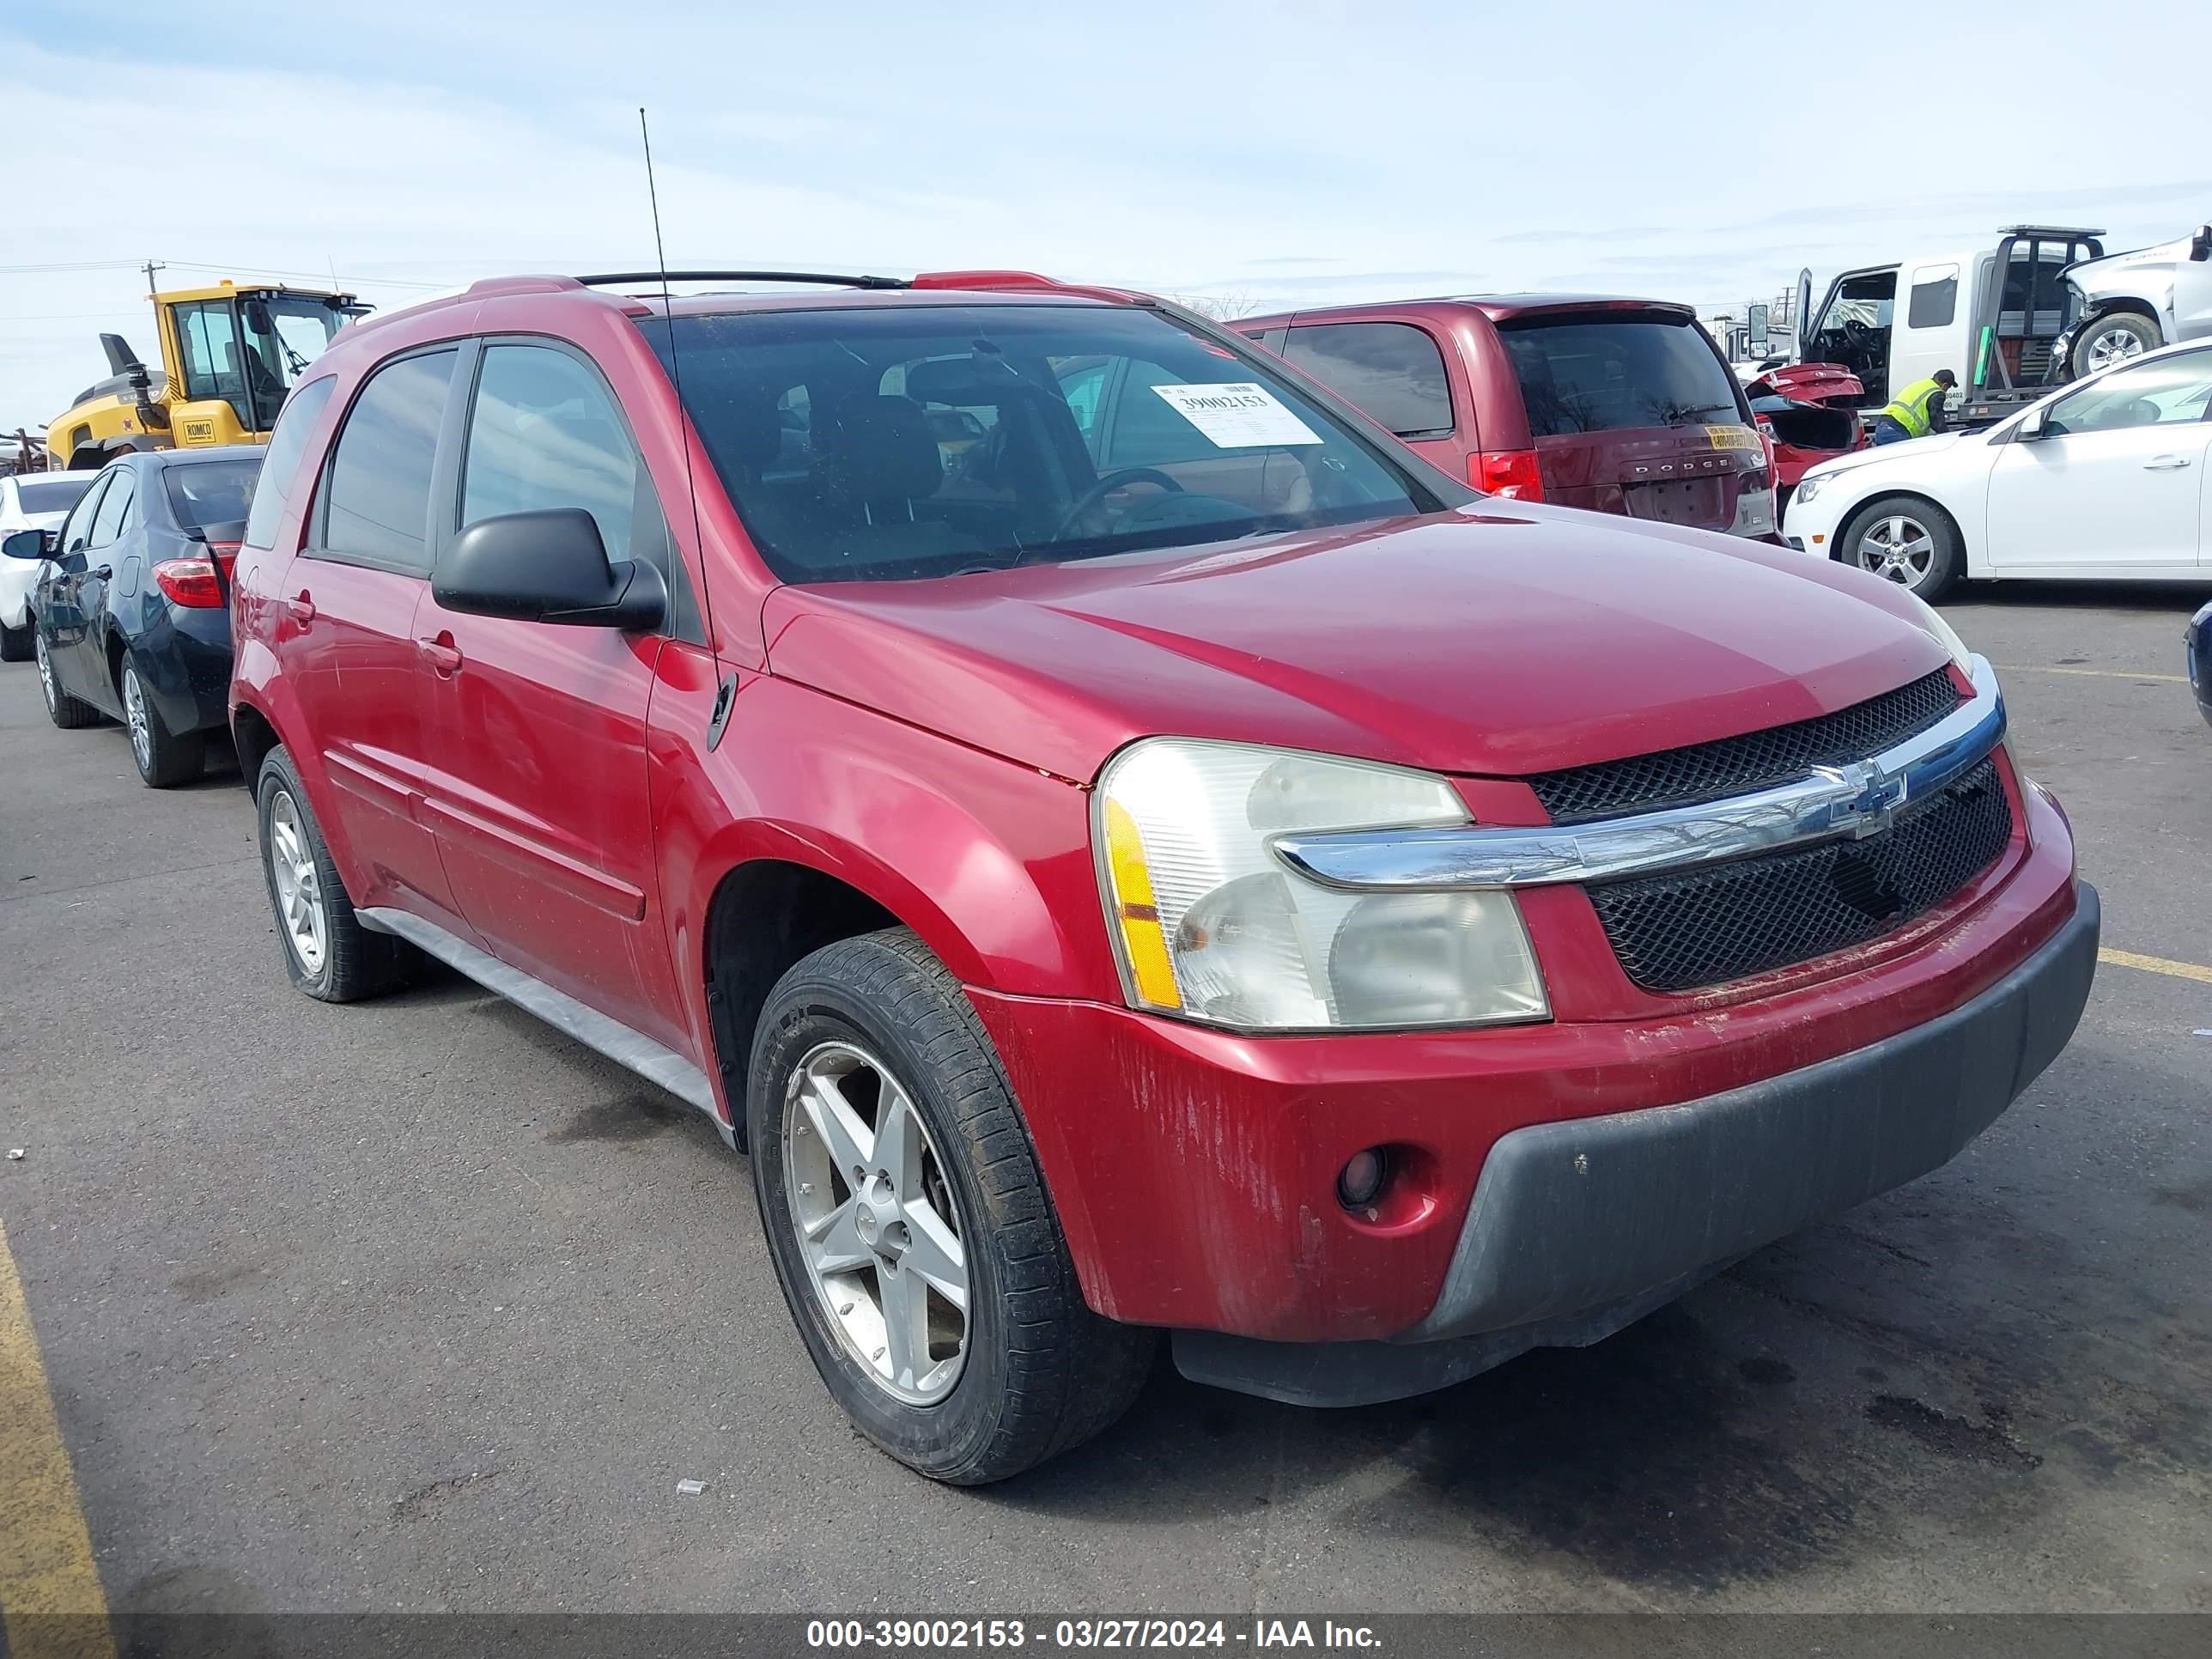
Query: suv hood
(1484, 640)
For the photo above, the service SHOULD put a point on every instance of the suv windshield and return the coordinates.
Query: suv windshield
(1577, 375)
(887, 441)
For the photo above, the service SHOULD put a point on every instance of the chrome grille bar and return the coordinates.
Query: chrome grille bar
(1829, 803)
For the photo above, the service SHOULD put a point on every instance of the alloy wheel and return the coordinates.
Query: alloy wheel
(134, 710)
(298, 884)
(1897, 547)
(46, 669)
(2114, 345)
(877, 1227)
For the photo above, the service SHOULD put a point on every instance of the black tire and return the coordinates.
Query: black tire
(2117, 328)
(1876, 526)
(1041, 1372)
(166, 758)
(15, 643)
(71, 713)
(356, 962)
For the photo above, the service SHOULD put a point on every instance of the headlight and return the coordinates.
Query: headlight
(1207, 923)
(1945, 635)
(1808, 487)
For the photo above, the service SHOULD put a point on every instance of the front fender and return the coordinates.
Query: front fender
(988, 860)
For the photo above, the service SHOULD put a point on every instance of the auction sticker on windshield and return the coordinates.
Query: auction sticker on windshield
(1237, 416)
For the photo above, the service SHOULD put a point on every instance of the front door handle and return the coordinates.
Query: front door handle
(443, 655)
(2164, 463)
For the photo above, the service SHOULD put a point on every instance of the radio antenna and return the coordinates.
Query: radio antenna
(723, 695)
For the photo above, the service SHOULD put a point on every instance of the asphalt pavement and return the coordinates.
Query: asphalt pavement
(417, 1304)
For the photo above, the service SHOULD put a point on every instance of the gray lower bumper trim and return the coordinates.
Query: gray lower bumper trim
(1580, 1226)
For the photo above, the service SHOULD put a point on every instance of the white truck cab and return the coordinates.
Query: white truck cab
(1992, 315)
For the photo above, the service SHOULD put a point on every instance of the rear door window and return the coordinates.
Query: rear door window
(281, 464)
(115, 515)
(1394, 373)
(1578, 375)
(380, 487)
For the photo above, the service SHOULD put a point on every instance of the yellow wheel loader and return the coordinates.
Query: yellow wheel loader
(229, 355)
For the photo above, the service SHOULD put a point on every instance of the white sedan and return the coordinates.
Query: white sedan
(29, 500)
(2103, 481)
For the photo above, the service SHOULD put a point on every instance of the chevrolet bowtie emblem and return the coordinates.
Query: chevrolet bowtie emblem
(1876, 795)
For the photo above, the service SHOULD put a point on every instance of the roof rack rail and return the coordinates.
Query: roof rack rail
(743, 276)
(982, 279)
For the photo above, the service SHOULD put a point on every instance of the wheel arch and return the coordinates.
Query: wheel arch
(1848, 526)
(255, 735)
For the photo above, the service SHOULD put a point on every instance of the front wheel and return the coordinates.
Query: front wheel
(71, 713)
(912, 1234)
(2114, 339)
(1905, 540)
(165, 758)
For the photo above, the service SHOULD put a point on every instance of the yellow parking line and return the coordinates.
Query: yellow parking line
(50, 1602)
(2093, 674)
(2156, 965)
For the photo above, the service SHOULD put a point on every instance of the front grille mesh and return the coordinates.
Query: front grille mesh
(1684, 931)
(1757, 760)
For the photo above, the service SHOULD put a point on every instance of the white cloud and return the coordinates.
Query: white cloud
(1311, 150)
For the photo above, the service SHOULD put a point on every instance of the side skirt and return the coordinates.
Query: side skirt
(594, 1030)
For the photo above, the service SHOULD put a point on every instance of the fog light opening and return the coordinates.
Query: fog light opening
(1361, 1181)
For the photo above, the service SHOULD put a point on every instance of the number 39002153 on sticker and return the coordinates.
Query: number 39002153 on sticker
(1234, 414)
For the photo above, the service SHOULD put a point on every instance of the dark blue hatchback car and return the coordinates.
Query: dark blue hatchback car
(131, 613)
(2200, 660)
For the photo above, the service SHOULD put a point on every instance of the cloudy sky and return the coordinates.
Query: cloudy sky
(1281, 151)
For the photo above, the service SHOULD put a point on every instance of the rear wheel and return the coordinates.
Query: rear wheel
(15, 643)
(2114, 339)
(327, 951)
(1905, 540)
(165, 758)
(909, 1224)
(71, 713)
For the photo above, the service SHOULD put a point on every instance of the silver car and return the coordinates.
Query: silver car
(2126, 304)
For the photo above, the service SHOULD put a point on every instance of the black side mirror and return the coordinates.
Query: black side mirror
(2200, 245)
(28, 544)
(549, 566)
(257, 318)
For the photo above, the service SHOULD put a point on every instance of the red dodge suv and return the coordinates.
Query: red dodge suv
(1616, 405)
(1121, 843)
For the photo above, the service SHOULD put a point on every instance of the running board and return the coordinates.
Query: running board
(594, 1030)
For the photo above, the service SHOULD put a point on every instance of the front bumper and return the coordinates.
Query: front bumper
(1578, 1228)
(1193, 1170)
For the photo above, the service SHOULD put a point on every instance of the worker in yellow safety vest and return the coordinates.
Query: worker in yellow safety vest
(1915, 411)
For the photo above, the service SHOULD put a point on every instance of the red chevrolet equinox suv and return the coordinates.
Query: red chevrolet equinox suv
(1121, 843)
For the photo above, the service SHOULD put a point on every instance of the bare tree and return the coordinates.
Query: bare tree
(1221, 307)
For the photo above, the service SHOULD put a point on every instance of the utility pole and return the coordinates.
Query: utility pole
(150, 268)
